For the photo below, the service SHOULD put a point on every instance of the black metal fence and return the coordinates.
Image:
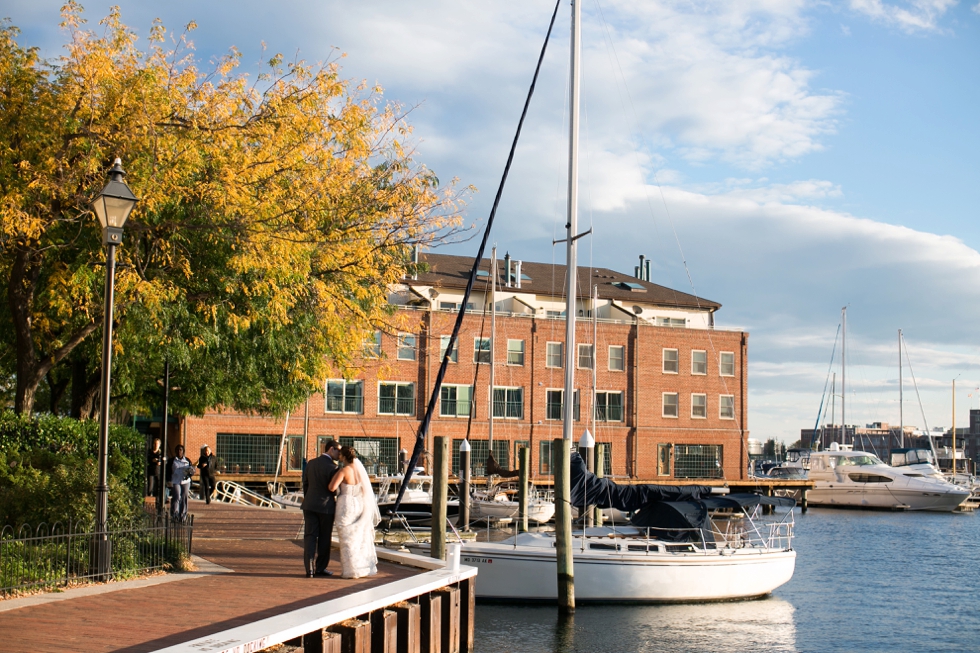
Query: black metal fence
(55, 555)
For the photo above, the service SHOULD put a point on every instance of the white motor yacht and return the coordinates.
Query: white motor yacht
(858, 479)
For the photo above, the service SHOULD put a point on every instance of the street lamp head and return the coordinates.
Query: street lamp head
(113, 205)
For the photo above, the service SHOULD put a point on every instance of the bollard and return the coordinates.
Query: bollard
(463, 521)
(524, 461)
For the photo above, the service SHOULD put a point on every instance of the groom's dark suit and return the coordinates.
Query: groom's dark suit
(318, 507)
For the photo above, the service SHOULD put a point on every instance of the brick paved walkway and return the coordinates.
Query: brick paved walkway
(267, 579)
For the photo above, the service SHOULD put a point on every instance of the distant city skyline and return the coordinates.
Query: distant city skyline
(799, 157)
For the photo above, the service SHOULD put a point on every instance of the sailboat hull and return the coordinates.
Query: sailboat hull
(529, 573)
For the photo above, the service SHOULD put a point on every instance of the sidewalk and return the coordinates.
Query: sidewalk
(266, 578)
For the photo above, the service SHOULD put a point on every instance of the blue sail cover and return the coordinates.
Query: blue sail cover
(589, 489)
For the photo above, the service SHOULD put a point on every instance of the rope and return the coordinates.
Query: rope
(434, 397)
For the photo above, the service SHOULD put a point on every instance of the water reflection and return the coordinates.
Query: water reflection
(766, 625)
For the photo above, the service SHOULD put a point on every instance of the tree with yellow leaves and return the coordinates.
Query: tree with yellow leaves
(273, 216)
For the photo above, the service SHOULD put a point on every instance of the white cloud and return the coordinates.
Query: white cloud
(915, 15)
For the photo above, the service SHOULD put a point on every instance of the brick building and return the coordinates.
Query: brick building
(670, 388)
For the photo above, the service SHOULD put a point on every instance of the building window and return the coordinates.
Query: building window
(406, 347)
(378, 455)
(344, 396)
(727, 365)
(670, 361)
(699, 406)
(238, 453)
(544, 457)
(585, 357)
(699, 362)
(670, 404)
(295, 453)
(555, 357)
(698, 461)
(515, 352)
(554, 405)
(663, 458)
(609, 406)
(726, 407)
(443, 345)
(606, 458)
(508, 403)
(454, 306)
(456, 400)
(617, 362)
(372, 348)
(518, 445)
(478, 455)
(481, 350)
(396, 399)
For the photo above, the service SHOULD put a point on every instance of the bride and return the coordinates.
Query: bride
(357, 515)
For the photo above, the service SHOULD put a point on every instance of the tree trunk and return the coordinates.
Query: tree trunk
(56, 390)
(32, 366)
(84, 389)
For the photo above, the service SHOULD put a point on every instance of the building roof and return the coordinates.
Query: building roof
(447, 271)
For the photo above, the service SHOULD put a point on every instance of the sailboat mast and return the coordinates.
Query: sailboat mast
(563, 490)
(901, 403)
(843, 367)
(493, 340)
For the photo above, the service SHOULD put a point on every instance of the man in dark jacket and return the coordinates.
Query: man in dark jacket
(206, 464)
(318, 506)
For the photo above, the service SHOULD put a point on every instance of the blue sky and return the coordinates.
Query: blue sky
(807, 155)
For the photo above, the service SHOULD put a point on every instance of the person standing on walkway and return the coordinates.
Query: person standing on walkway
(206, 465)
(154, 461)
(318, 507)
(357, 515)
(179, 476)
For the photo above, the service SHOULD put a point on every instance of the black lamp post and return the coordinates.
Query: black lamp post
(112, 207)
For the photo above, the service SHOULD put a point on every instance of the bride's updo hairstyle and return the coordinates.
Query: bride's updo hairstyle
(348, 454)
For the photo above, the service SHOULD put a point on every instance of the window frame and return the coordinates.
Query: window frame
(545, 455)
(591, 355)
(510, 341)
(479, 352)
(676, 361)
(372, 347)
(403, 338)
(396, 398)
(605, 404)
(507, 403)
(442, 399)
(576, 405)
(444, 344)
(694, 362)
(548, 355)
(622, 358)
(703, 396)
(721, 413)
(721, 363)
(677, 405)
(344, 397)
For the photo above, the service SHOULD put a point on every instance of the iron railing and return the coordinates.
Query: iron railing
(60, 555)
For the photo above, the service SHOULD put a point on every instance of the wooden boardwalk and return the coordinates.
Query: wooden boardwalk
(259, 546)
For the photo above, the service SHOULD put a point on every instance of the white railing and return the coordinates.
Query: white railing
(231, 492)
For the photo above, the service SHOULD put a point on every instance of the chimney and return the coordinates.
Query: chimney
(507, 268)
(647, 273)
(640, 275)
(517, 273)
(636, 271)
(415, 261)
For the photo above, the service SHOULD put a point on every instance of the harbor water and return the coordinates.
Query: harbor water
(864, 581)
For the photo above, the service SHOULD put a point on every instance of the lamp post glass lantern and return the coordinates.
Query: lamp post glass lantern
(112, 207)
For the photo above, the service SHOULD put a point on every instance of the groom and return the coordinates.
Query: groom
(318, 507)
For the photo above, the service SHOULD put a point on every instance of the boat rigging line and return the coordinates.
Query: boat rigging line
(434, 396)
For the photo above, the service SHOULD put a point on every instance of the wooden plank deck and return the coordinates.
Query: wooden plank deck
(267, 578)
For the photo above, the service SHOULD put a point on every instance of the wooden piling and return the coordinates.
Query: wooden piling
(384, 631)
(463, 521)
(355, 636)
(524, 465)
(450, 619)
(561, 452)
(409, 626)
(440, 495)
(431, 630)
(803, 504)
(321, 641)
(467, 615)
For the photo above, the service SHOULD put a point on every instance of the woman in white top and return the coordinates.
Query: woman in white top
(357, 515)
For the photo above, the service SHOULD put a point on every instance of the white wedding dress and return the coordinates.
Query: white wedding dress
(357, 515)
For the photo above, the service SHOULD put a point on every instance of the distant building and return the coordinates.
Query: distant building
(670, 387)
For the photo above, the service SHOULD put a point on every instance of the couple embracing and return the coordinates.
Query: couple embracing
(354, 511)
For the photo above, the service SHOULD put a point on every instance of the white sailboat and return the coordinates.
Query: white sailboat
(683, 557)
